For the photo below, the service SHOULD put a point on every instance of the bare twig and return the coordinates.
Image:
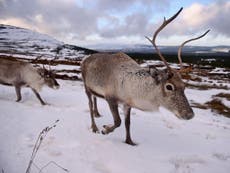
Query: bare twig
(52, 162)
(38, 143)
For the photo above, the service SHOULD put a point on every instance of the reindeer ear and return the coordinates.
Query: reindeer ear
(41, 72)
(164, 75)
(44, 72)
(170, 74)
(153, 72)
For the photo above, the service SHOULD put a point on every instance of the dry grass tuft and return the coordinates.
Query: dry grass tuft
(223, 95)
(198, 105)
(216, 105)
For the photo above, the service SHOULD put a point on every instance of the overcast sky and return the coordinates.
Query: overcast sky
(87, 22)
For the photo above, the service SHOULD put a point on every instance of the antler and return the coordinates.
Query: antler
(182, 45)
(165, 22)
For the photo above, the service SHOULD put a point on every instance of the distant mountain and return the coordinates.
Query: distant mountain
(217, 56)
(143, 48)
(24, 43)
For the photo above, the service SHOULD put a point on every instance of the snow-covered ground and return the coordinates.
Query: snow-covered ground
(165, 143)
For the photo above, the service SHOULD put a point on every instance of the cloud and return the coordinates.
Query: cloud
(201, 17)
(56, 18)
(195, 20)
(77, 20)
(81, 21)
(16, 22)
(120, 5)
(220, 22)
(132, 24)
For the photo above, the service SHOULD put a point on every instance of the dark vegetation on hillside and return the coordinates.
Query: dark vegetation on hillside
(212, 59)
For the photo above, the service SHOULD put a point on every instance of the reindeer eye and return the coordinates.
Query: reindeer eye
(169, 87)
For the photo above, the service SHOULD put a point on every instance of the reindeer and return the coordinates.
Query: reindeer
(18, 73)
(120, 80)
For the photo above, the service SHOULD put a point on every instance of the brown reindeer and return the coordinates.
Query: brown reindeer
(120, 80)
(19, 74)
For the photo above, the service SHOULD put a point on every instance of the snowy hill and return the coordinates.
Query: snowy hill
(24, 43)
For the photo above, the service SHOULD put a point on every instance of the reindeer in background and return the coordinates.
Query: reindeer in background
(120, 80)
(18, 74)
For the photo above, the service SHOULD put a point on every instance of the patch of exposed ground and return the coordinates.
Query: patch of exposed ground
(216, 104)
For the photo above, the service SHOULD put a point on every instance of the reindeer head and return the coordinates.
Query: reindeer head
(173, 97)
(49, 78)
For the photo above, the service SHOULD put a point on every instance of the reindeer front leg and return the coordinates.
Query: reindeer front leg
(38, 96)
(127, 110)
(18, 92)
(116, 117)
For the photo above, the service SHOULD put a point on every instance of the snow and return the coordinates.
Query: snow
(208, 60)
(152, 62)
(165, 143)
(218, 70)
(226, 102)
(65, 67)
(221, 49)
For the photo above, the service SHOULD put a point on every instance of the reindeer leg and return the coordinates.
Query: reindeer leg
(116, 117)
(38, 96)
(127, 110)
(18, 92)
(95, 110)
(93, 124)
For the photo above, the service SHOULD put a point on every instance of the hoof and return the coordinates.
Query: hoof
(107, 129)
(104, 132)
(43, 103)
(130, 142)
(94, 129)
(96, 114)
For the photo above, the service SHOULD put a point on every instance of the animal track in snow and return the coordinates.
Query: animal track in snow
(221, 156)
(186, 164)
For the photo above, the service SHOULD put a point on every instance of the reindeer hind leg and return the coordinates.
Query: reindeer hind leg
(93, 124)
(127, 111)
(95, 110)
